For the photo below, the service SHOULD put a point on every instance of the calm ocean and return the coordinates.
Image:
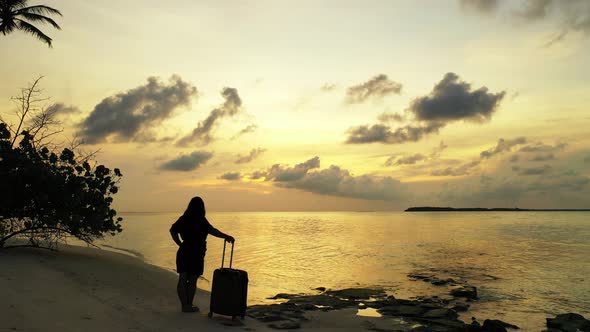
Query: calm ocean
(527, 265)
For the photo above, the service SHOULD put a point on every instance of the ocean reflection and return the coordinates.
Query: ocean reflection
(525, 265)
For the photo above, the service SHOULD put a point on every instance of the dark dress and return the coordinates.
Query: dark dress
(190, 257)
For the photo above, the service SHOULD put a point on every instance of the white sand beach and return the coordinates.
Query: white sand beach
(87, 289)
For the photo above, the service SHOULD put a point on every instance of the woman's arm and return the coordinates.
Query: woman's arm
(176, 238)
(217, 233)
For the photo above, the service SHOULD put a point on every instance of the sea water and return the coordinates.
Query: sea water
(526, 265)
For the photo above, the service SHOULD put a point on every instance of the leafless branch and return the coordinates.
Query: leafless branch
(26, 103)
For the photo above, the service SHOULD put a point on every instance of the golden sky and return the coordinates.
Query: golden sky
(322, 105)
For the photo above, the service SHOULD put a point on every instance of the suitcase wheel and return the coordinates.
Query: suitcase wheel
(210, 314)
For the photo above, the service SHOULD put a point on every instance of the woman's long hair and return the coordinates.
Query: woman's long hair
(195, 209)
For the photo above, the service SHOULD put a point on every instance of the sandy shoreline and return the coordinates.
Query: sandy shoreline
(86, 289)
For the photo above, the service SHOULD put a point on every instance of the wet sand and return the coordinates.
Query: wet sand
(87, 289)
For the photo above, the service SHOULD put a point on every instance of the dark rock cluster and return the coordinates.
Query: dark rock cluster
(420, 314)
(458, 288)
(423, 313)
(568, 323)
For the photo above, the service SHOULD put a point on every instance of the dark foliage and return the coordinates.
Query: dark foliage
(44, 195)
(17, 15)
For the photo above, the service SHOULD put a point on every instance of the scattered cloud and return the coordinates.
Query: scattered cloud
(333, 181)
(249, 129)
(466, 168)
(534, 9)
(231, 176)
(412, 159)
(60, 109)
(438, 150)
(541, 147)
(383, 133)
(254, 153)
(406, 160)
(187, 162)
(571, 15)
(463, 169)
(378, 87)
(532, 170)
(555, 183)
(281, 173)
(543, 157)
(328, 87)
(131, 116)
(386, 117)
(450, 100)
(483, 6)
(503, 145)
(202, 134)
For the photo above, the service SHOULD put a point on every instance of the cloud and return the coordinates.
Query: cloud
(328, 87)
(61, 109)
(541, 147)
(571, 15)
(231, 176)
(390, 117)
(377, 87)
(532, 170)
(412, 159)
(460, 170)
(188, 162)
(514, 158)
(131, 116)
(438, 150)
(333, 181)
(554, 189)
(249, 129)
(535, 9)
(254, 153)
(503, 146)
(483, 6)
(281, 173)
(452, 100)
(406, 160)
(543, 157)
(569, 180)
(383, 134)
(202, 134)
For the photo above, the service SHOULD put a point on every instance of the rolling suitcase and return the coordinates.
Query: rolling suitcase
(229, 291)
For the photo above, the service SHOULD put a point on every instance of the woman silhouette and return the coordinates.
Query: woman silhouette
(193, 228)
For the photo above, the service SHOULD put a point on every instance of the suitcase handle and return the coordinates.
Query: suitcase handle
(231, 257)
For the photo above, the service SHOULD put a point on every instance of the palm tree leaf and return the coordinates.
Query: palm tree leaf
(31, 29)
(40, 18)
(14, 4)
(39, 9)
(7, 27)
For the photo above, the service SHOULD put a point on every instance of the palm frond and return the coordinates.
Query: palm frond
(31, 29)
(39, 9)
(7, 27)
(14, 4)
(40, 18)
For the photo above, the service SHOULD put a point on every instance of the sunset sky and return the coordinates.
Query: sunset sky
(322, 105)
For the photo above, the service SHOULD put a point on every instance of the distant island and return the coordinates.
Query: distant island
(451, 209)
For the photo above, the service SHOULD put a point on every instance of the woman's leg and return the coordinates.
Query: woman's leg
(192, 289)
(181, 288)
